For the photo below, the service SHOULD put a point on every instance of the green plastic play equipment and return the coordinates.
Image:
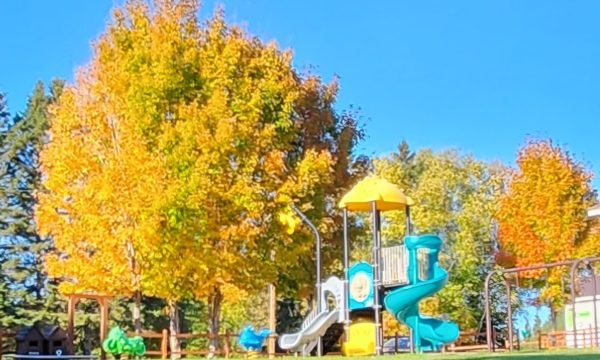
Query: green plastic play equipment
(117, 343)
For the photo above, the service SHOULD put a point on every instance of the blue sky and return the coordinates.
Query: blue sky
(480, 76)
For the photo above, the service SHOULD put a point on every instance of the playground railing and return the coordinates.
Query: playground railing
(395, 263)
(309, 318)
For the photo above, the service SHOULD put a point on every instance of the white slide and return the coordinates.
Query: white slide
(311, 331)
(316, 324)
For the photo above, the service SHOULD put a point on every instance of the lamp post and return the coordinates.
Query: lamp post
(318, 261)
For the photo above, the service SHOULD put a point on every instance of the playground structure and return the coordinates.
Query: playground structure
(401, 276)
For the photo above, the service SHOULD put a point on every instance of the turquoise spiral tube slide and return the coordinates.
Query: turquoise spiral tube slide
(429, 334)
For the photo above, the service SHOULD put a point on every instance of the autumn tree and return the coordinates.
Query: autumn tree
(454, 197)
(175, 150)
(321, 128)
(542, 216)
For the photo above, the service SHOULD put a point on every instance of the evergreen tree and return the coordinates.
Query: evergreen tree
(7, 311)
(32, 296)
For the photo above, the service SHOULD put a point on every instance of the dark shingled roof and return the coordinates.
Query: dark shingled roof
(23, 332)
(45, 330)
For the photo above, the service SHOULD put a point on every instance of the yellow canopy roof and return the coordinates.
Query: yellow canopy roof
(386, 195)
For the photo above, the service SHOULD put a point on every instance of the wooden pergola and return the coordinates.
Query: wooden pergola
(102, 300)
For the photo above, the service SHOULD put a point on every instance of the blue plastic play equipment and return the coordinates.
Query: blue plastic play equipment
(429, 334)
(364, 271)
(251, 340)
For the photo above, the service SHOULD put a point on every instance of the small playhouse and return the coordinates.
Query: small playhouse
(42, 339)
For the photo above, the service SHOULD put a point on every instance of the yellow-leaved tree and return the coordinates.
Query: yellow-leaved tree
(542, 216)
(455, 197)
(175, 150)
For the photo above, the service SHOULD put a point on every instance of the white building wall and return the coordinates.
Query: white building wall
(584, 319)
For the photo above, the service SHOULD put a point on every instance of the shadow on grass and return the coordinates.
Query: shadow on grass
(534, 355)
(539, 355)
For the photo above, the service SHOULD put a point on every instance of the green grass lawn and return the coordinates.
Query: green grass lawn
(546, 355)
(543, 355)
(517, 355)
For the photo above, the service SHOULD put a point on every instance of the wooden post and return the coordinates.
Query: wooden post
(1, 341)
(164, 347)
(226, 343)
(539, 340)
(272, 320)
(102, 301)
(71, 306)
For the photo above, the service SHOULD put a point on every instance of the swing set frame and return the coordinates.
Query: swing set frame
(574, 266)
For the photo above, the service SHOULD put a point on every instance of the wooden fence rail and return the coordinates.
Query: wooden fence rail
(227, 344)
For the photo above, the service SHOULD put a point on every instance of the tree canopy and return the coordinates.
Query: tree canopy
(180, 138)
(542, 215)
(454, 197)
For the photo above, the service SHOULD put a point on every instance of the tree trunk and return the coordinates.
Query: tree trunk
(137, 295)
(214, 313)
(87, 339)
(137, 312)
(174, 329)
